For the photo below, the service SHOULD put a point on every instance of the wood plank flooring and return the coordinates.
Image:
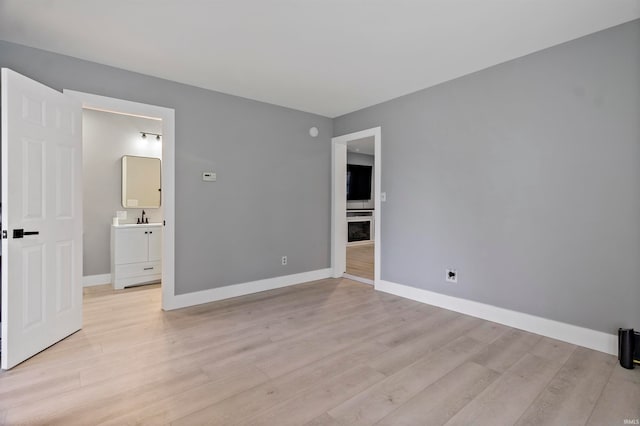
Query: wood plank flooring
(360, 260)
(331, 352)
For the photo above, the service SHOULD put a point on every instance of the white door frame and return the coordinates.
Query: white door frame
(339, 200)
(167, 115)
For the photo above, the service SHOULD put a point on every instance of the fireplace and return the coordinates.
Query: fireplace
(359, 231)
(359, 228)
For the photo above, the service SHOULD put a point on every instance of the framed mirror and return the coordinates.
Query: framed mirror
(141, 184)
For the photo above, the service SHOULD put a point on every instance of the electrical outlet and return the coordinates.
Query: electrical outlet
(209, 177)
(452, 276)
(284, 260)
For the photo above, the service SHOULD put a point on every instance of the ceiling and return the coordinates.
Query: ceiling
(328, 57)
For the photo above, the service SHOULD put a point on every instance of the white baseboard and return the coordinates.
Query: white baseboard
(359, 279)
(220, 293)
(592, 339)
(91, 280)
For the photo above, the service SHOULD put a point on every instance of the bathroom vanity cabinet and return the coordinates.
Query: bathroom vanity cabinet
(136, 254)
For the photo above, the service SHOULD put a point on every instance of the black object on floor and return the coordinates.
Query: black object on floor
(626, 347)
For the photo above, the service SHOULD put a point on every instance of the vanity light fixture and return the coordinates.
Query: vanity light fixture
(157, 135)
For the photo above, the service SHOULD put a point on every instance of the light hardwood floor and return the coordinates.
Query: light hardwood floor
(324, 353)
(360, 260)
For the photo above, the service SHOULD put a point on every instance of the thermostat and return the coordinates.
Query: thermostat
(208, 176)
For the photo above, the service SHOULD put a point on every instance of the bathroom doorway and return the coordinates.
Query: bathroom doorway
(43, 190)
(139, 132)
(108, 140)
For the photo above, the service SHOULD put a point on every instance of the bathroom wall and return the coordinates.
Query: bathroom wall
(106, 138)
(362, 160)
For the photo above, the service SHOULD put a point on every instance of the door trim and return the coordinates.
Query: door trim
(167, 115)
(339, 201)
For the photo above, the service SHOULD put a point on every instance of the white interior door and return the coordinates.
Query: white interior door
(41, 217)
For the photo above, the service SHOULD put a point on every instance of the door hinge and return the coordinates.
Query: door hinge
(164, 223)
(4, 234)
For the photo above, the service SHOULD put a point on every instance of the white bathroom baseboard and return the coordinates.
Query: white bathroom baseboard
(235, 290)
(592, 339)
(91, 280)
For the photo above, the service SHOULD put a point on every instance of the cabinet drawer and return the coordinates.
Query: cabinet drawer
(138, 269)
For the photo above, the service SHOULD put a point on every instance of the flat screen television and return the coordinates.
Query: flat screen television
(358, 182)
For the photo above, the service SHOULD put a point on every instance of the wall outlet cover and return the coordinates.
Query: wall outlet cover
(451, 276)
(121, 214)
(209, 176)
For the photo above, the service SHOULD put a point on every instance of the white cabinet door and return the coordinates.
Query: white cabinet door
(41, 216)
(155, 244)
(131, 246)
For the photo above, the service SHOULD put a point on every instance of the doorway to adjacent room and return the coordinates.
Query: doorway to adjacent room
(166, 116)
(356, 200)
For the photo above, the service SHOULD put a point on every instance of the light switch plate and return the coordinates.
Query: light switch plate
(121, 214)
(383, 196)
(209, 176)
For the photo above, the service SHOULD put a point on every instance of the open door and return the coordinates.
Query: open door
(41, 217)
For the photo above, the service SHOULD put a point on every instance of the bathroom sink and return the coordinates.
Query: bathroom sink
(140, 225)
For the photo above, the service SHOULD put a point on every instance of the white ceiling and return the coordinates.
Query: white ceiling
(329, 57)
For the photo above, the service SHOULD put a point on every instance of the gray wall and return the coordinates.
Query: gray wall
(526, 178)
(106, 137)
(272, 196)
(362, 160)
